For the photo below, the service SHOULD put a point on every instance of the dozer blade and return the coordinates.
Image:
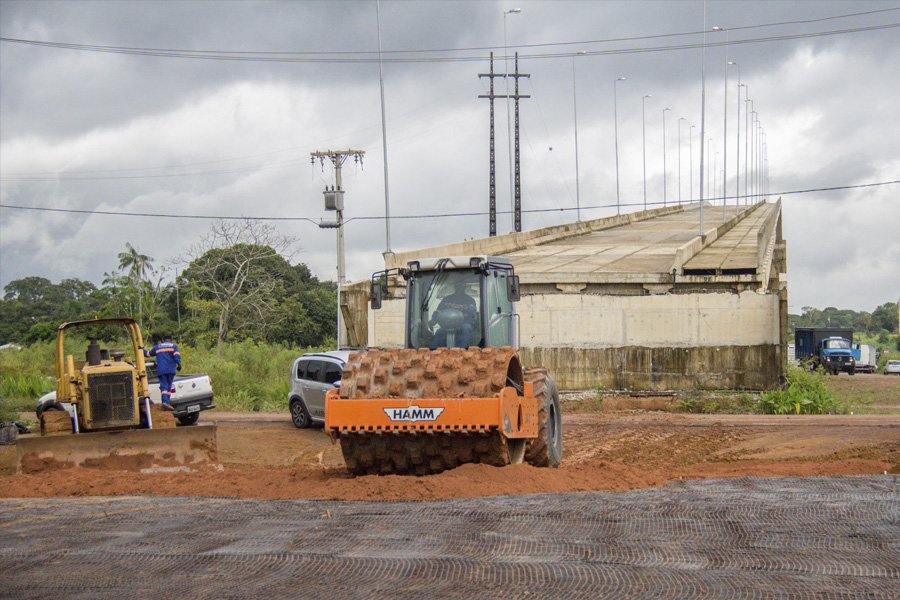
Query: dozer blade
(141, 450)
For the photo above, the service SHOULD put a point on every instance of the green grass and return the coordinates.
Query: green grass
(807, 393)
(246, 376)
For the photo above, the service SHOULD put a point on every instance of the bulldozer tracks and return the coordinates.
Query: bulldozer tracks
(743, 538)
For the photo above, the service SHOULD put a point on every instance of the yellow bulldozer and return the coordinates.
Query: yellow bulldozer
(102, 416)
(457, 393)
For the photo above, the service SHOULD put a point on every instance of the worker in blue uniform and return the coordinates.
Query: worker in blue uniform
(168, 361)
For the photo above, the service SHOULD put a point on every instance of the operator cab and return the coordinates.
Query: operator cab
(457, 302)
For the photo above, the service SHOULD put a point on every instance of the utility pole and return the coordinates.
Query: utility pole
(492, 183)
(517, 220)
(517, 196)
(334, 200)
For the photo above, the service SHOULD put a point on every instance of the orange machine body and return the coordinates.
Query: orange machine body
(512, 415)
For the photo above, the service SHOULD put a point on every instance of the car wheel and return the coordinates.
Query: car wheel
(52, 406)
(299, 414)
(189, 419)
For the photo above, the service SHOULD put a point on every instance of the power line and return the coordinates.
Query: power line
(181, 166)
(427, 216)
(64, 176)
(155, 215)
(191, 53)
(371, 57)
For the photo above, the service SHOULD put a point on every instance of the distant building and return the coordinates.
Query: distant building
(639, 301)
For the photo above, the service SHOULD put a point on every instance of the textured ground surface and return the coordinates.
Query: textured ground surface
(749, 537)
(264, 456)
(644, 505)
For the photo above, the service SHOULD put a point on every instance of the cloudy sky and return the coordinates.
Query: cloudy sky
(211, 109)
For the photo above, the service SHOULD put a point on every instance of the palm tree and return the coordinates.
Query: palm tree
(138, 266)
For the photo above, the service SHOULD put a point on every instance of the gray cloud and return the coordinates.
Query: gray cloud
(212, 137)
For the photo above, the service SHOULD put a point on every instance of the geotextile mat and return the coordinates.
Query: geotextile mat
(773, 538)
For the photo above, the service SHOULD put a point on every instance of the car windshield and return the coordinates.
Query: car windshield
(837, 344)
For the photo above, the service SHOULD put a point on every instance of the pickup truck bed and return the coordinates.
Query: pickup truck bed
(193, 393)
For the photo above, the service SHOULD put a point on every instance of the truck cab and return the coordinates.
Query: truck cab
(836, 355)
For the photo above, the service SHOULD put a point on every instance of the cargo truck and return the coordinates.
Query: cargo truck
(866, 356)
(828, 347)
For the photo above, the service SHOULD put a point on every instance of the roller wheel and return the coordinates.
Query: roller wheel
(421, 454)
(441, 373)
(546, 449)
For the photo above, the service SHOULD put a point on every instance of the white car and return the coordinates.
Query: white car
(892, 367)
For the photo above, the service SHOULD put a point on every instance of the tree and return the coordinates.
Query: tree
(138, 266)
(35, 300)
(228, 264)
(885, 317)
(27, 289)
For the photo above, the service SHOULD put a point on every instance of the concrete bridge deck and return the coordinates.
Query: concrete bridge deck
(650, 246)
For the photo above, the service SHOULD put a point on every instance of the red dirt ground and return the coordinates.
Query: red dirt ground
(264, 456)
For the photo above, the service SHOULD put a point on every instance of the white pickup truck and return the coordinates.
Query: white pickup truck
(193, 393)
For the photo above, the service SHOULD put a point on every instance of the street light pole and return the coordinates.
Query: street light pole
(738, 128)
(512, 185)
(759, 162)
(664, 155)
(755, 158)
(738, 162)
(747, 108)
(753, 154)
(725, 138)
(715, 175)
(708, 176)
(644, 145)
(575, 111)
(680, 119)
(387, 196)
(616, 128)
(702, 113)
(691, 160)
